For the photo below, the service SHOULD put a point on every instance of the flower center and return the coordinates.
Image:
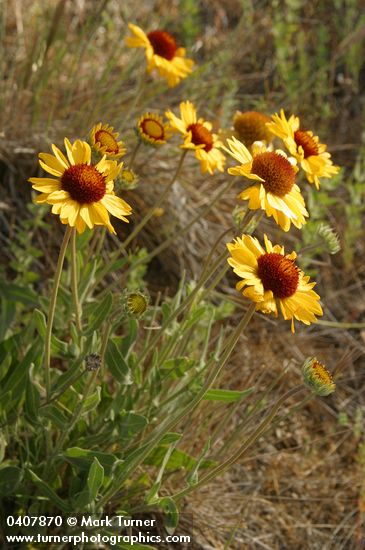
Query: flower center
(152, 128)
(276, 171)
(251, 126)
(84, 183)
(200, 135)
(278, 274)
(163, 44)
(306, 141)
(106, 140)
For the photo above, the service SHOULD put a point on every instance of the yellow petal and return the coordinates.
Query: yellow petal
(81, 152)
(60, 156)
(68, 148)
(50, 164)
(188, 113)
(116, 206)
(85, 215)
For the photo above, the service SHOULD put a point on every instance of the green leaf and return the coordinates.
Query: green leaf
(49, 493)
(10, 478)
(14, 384)
(196, 316)
(91, 402)
(32, 399)
(95, 478)
(177, 460)
(56, 414)
(18, 294)
(226, 396)
(98, 312)
(83, 459)
(3, 445)
(58, 348)
(66, 378)
(87, 278)
(131, 424)
(193, 477)
(130, 338)
(82, 499)
(178, 366)
(117, 365)
(171, 517)
(7, 313)
(170, 437)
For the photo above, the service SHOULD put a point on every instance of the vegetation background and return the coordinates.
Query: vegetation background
(64, 67)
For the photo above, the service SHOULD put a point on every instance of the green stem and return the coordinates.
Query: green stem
(243, 448)
(339, 324)
(104, 344)
(208, 271)
(101, 240)
(188, 300)
(77, 412)
(145, 448)
(74, 280)
(52, 309)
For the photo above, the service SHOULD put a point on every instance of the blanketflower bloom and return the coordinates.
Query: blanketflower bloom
(152, 129)
(198, 136)
(81, 193)
(271, 279)
(275, 190)
(162, 53)
(104, 140)
(250, 126)
(305, 147)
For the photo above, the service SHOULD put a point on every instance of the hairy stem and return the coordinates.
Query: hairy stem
(75, 293)
(52, 309)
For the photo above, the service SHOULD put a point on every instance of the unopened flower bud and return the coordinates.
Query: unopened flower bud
(250, 126)
(127, 179)
(330, 238)
(317, 377)
(136, 303)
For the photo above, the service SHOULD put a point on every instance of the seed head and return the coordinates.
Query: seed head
(92, 362)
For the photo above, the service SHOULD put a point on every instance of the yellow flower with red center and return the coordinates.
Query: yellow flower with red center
(152, 129)
(305, 147)
(104, 140)
(162, 54)
(198, 137)
(275, 190)
(271, 279)
(250, 126)
(81, 193)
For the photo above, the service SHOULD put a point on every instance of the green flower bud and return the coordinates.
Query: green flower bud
(128, 179)
(329, 237)
(136, 303)
(317, 377)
